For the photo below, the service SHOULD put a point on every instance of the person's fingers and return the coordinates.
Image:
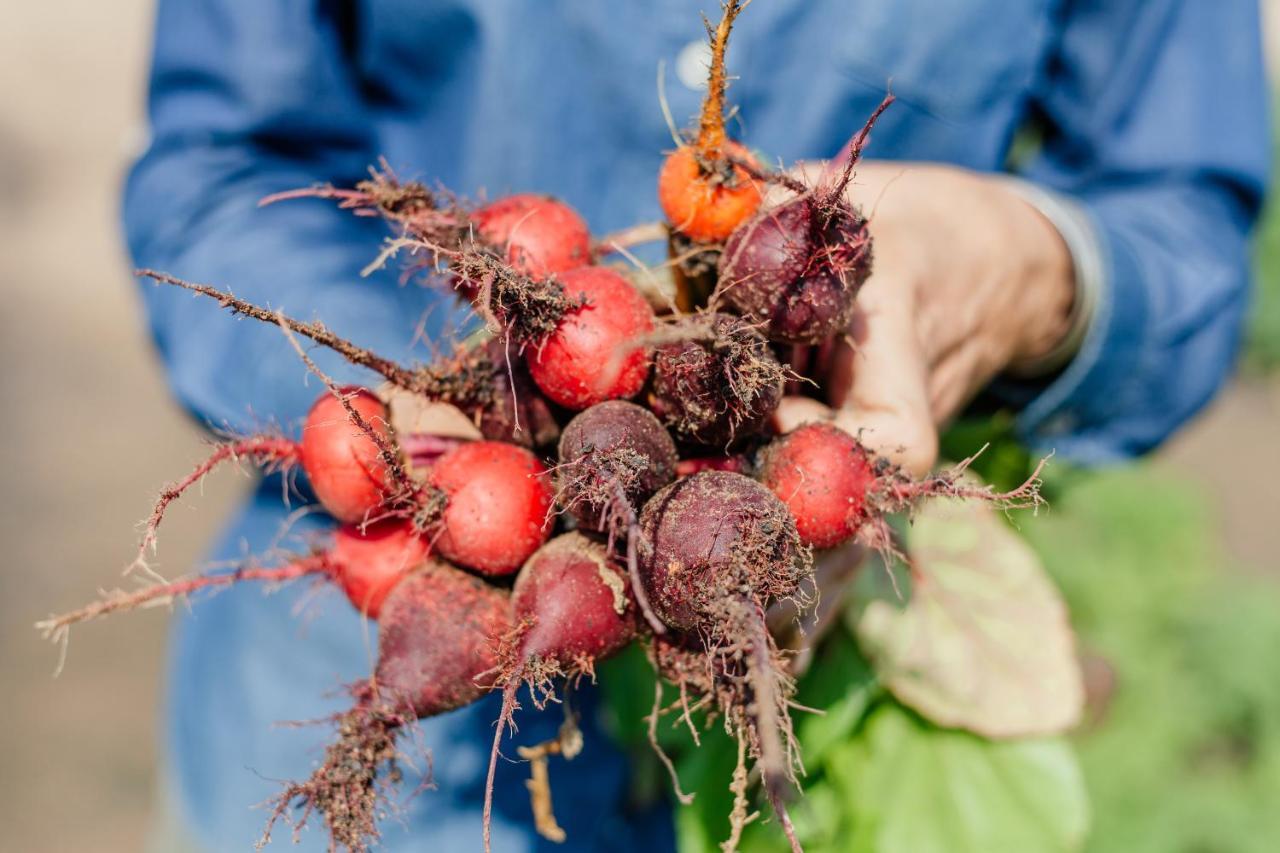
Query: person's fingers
(794, 412)
(880, 390)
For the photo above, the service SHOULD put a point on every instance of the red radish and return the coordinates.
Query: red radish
(796, 268)
(497, 508)
(539, 234)
(370, 562)
(717, 549)
(836, 489)
(718, 381)
(343, 463)
(438, 637)
(571, 609)
(702, 192)
(584, 360)
(824, 476)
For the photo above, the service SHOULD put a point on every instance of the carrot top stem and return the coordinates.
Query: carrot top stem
(711, 134)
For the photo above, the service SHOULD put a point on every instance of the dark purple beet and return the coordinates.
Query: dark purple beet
(718, 384)
(714, 539)
(513, 397)
(796, 268)
(613, 445)
(438, 632)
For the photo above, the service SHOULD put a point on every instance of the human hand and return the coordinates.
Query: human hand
(968, 280)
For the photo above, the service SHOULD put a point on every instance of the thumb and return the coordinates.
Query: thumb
(880, 389)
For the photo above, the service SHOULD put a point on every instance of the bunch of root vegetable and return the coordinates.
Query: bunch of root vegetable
(624, 484)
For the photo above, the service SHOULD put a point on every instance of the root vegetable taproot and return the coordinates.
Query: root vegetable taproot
(703, 193)
(438, 638)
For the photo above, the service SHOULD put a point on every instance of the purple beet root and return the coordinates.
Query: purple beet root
(613, 451)
(717, 382)
(796, 268)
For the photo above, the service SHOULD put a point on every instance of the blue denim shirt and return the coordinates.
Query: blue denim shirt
(1154, 120)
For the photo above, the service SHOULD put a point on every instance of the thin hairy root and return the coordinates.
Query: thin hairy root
(405, 487)
(784, 817)
(766, 712)
(853, 153)
(568, 743)
(347, 789)
(265, 450)
(57, 628)
(652, 719)
(896, 493)
(409, 205)
(509, 707)
(741, 815)
(396, 374)
(711, 135)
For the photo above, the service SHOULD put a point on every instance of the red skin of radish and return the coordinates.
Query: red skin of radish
(497, 513)
(584, 362)
(576, 602)
(371, 562)
(438, 635)
(824, 477)
(342, 463)
(541, 235)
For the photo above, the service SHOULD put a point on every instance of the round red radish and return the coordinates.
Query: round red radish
(824, 476)
(370, 562)
(342, 462)
(539, 234)
(587, 359)
(498, 501)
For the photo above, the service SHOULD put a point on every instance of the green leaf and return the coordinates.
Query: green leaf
(909, 787)
(983, 642)
(838, 686)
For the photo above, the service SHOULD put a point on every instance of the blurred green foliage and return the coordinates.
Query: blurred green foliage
(1262, 349)
(1186, 756)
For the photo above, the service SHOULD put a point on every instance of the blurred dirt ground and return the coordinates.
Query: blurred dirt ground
(91, 435)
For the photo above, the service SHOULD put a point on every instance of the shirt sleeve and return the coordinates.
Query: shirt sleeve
(246, 99)
(1155, 118)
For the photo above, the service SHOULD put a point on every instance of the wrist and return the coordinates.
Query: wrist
(1061, 282)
